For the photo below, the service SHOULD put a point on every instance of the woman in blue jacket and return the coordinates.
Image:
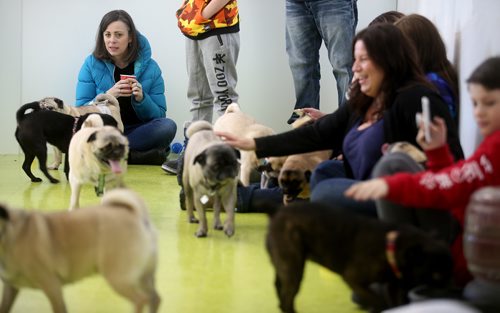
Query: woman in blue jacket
(121, 50)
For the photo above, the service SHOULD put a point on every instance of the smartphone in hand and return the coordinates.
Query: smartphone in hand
(426, 118)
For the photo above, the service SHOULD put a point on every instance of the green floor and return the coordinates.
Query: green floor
(211, 275)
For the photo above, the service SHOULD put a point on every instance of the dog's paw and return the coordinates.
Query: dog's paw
(54, 180)
(36, 180)
(200, 234)
(218, 227)
(229, 231)
(193, 220)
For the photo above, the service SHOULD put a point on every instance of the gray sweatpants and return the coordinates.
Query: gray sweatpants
(211, 67)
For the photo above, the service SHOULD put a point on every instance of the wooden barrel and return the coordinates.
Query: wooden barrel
(482, 234)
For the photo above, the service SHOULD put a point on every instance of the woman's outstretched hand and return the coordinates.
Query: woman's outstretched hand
(313, 113)
(237, 142)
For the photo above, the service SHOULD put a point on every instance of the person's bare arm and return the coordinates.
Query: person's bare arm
(213, 7)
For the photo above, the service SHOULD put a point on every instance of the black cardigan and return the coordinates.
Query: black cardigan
(329, 131)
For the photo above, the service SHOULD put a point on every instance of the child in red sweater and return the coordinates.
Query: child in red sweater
(444, 186)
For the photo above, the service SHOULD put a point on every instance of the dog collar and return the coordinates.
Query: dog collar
(390, 252)
(74, 124)
(99, 189)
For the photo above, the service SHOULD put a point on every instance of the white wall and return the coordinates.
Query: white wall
(469, 29)
(45, 42)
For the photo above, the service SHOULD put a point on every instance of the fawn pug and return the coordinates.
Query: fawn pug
(210, 172)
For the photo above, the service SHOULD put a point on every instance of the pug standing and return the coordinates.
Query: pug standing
(48, 250)
(210, 173)
(97, 155)
(103, 103)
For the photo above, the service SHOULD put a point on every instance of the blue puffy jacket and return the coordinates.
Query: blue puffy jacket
(96, 77)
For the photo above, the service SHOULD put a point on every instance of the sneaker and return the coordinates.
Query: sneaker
(170, 166)
(148, 157)
(292, 118)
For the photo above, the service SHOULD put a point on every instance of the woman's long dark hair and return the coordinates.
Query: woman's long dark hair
(391, 51)
(431, 50)
(100, 51)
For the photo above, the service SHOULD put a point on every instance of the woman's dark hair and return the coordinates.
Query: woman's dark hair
(430, 48)
(100, 51)
(387, 17)
(487, 74)
(391, 51)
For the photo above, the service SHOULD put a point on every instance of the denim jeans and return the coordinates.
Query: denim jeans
(308, 24)
(328, 184)
(155, 134)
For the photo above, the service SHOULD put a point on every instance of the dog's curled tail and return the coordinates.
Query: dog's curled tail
(198, 126)
(126, 198)
(21, 112)
(233, 107)
(105, 97)
(93, 120)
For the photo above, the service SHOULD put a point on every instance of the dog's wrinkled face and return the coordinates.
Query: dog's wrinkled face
(294, 183)
(52, 104)
(272, 166)
(219, 163)
(110, 147)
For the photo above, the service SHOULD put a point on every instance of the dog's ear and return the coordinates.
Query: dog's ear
(307, 175)
(92, 137)
(4, 213)
(238, 153)
(200, 158)
(60, 103)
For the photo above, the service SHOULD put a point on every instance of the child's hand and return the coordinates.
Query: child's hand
(438, 134)
(372, 189)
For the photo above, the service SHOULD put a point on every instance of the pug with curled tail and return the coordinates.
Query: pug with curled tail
(49, 250)
(103, 103)
(97, 155)
(210, 173)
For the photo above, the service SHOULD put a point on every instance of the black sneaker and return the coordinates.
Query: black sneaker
(148, 157)
(170, 166)
(292, 118)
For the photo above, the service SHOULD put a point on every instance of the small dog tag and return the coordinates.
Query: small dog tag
(204, 199)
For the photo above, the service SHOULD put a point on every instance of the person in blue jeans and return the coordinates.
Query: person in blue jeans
(121, 50)
(309, 23)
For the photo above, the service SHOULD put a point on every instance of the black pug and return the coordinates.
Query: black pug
(361, 250)
(37, 128)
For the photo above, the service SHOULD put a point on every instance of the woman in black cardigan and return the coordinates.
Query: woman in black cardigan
(384, 99)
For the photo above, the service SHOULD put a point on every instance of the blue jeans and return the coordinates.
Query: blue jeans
(308, 24)
(328, 184)
(155, 134)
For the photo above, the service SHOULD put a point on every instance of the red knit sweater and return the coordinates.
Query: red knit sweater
(449, 186)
